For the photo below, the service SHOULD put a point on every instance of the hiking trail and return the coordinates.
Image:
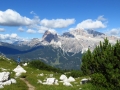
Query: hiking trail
(30, 87)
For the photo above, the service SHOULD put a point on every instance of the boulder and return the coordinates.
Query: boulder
(67, 84)
(71, 79)
(63, 77)
(50, 81)
(4, 76)
(19, 70)
(7, 82)
(56, 82)
(5, 79)
(84, 80)
(1, 86)
(13, 80)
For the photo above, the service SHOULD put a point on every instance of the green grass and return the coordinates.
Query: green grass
(32, 77)
(20, 85)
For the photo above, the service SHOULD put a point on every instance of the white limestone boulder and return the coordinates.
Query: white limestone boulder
(67, 84)
(63, 77)
(13, 80)
(4, 76)
(19, 70)
(7, 82)
(50, 81)
(84, 80)
(71, 79)
(1, 86)
(25, 64)
(56, 82)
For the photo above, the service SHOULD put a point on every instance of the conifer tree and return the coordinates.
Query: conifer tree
(103, 65)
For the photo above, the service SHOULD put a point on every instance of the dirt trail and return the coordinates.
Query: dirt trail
(30, 87)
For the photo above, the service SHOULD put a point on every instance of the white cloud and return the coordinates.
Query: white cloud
(57, 23)
(91, 24)
(31, 31)
(32, 12)
(42, 29)
(101, 18)
(13, 18)
(2, 29)
(8, 36)
(53, 31)
(13, 35)
(21, 29)
(114, 31)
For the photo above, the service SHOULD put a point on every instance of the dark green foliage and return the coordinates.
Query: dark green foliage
(98, 79)
(23, 75)
(103, 65)
(75, 73)
(42, 66)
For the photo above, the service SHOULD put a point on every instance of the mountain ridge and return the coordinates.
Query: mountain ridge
(62, 51)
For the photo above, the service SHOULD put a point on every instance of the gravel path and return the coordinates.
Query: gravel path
(30, 87)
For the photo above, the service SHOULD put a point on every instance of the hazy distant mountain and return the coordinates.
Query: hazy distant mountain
(63, 51)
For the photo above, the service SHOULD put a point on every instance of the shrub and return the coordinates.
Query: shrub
(103, 64)
(42, 66)
(75, 73)
(23, 75)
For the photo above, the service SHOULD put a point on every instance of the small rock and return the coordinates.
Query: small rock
(13, 80)
(1, 86)
(67, 84)
(39, 81)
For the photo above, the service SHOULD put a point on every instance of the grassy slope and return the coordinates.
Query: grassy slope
(9, 65)
(32, 77)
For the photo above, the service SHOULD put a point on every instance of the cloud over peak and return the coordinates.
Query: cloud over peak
(8, 36)
(57, 23)
(91, 24)
(114, 31)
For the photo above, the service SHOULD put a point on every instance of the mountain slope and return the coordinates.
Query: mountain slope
(62, 51)
(52, 56)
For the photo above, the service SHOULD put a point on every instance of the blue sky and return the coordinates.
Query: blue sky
(27, 19)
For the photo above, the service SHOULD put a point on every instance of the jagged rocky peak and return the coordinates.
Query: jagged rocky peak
(79, 32)
(49, 36)
(35, 40)
(68, 35)
(94, 33)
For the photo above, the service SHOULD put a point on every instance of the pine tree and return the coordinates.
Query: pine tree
(103, 64)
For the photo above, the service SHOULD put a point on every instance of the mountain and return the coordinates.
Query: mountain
(62, 51)
(68, 35)
(95, 33)
(49, 36)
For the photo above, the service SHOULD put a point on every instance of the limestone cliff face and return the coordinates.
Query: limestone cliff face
(49, 36)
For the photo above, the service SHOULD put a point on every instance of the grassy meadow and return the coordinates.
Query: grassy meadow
(32, 76)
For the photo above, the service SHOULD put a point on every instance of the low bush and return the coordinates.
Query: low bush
(42, 66)
(75, 73)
